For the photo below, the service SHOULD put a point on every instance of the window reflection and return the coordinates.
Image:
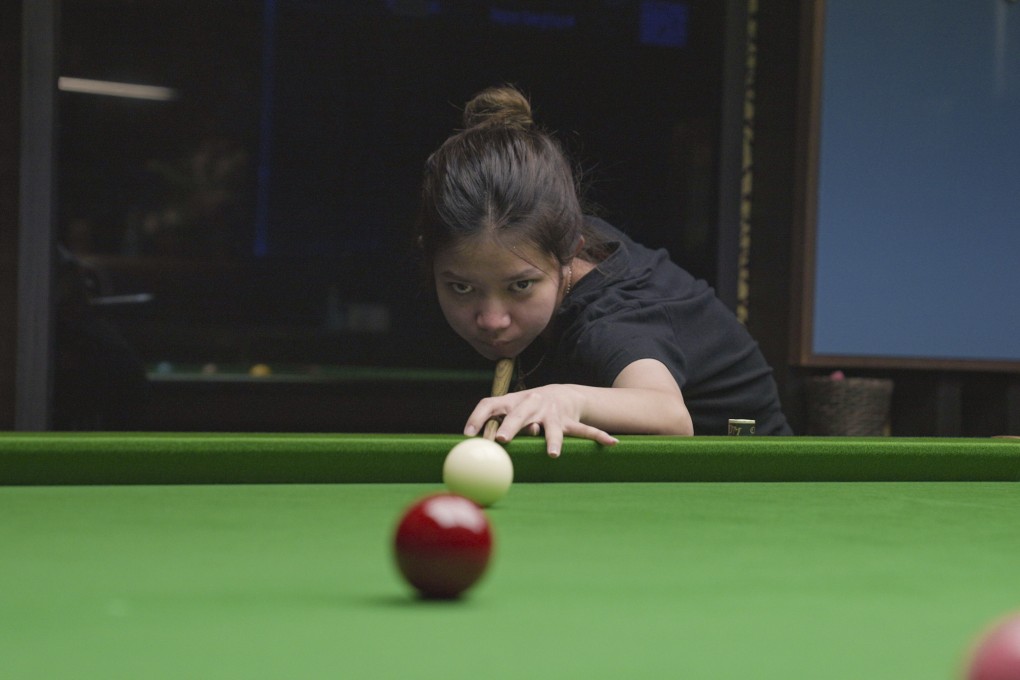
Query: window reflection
(258, 213)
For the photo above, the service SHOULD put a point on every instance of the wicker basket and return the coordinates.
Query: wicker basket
(851, 407)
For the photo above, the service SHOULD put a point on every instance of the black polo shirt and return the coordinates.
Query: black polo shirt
(637, 304)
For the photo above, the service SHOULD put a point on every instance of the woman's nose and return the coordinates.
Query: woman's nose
(492, 316)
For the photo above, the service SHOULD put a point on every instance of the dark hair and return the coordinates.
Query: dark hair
(501, 175)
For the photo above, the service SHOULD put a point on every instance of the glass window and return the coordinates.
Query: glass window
(251, 201)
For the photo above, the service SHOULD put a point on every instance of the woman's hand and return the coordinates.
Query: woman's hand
(554, 409)
(644, 399)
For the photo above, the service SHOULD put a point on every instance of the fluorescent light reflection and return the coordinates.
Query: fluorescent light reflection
(113, 89)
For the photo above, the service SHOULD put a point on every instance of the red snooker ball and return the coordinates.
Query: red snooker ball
(442, 545)
(997, 655)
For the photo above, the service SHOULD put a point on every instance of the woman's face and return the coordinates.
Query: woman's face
(498, 299)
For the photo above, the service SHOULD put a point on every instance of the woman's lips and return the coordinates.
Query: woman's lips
(500, 347)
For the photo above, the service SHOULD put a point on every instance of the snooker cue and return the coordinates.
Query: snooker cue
(500, 386)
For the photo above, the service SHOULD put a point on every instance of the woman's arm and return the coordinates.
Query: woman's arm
(644, 399)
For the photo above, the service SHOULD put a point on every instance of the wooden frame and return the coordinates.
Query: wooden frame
(34, 362)
(801, 352)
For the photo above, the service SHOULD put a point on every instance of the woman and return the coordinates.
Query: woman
(610, 337)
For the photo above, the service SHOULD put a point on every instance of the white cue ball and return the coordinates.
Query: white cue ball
(478, 469)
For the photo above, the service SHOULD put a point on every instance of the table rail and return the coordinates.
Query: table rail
(224, 458)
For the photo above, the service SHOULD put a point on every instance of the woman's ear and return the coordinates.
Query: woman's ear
(578, 246)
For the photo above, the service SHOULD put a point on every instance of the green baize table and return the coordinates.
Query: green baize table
(149, 555)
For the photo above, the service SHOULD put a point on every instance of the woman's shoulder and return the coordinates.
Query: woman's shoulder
(631, 265)
(599, 232)
(612, 251)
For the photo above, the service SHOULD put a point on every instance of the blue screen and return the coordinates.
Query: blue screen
(918, 224)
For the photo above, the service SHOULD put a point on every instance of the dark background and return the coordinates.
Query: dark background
(275, 195)
(266, 208)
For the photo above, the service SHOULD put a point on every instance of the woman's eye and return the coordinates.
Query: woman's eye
(460, 288)
(521, 286)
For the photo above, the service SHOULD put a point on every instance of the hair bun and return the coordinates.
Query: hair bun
(498, 106)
